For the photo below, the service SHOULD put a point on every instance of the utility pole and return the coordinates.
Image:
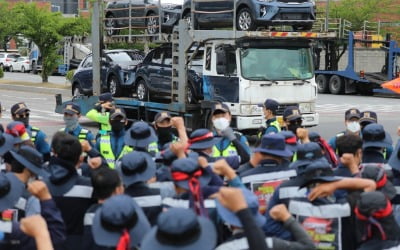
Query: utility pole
(96, 47)
(327, 16)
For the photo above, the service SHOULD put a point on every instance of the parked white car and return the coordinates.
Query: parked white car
(20, 64)
(6, 59)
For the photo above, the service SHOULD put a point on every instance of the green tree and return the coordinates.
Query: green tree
(358, 11)
(7, 24)
(47, 29)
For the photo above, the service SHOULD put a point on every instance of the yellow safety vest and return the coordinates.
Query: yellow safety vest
(34, 133)
(108, 154)
(228, 151)
(276, 125)
(82, 134)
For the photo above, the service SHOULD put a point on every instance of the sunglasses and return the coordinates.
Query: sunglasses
(22, 115)
(296, 122)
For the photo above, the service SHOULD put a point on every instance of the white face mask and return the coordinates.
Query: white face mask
(221, 123)
(353, 127)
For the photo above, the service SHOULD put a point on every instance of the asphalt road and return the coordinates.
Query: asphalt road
(28, 77)
(331, 109)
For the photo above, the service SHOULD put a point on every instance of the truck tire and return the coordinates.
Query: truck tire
(322, 84)
(114, 86)
(245, 20)
(142, 92)
(336, 85)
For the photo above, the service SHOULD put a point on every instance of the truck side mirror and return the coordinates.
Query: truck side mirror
(221, 61)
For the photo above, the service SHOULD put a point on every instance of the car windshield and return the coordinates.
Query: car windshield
(276, 63)
(124, 56)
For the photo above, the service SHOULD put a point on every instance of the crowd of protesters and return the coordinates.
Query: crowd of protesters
(155, 186)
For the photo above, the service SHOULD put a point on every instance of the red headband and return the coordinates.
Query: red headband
(124, 241)
(200, 138)
(194, 186)
(381, 182)
(291, 140)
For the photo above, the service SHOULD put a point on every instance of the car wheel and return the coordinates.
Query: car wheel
(152, 24)
(111, 25)
(23, 69)
(76, 90)
(114, 86)
(10, 69)
(336, 85)
(244, 20)
(142, 92)
(190, 95)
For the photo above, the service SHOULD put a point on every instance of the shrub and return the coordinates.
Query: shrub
(70, 74)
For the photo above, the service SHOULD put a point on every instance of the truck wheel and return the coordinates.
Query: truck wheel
(244, 20)
(322, 84)
(336, 85)
(142, 92)
(113, 86)
(152, 24)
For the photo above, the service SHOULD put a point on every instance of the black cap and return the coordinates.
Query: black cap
(376, 172)
(368, 117)
(352, 113)
(161, 116)
(270, 104)
(117, 112)
(19, 108)
(220, 108)
(291, 113)
(106, 97)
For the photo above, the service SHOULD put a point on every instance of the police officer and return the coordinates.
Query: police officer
(72, 113)
(352, 123)
(367, 117)
(232, 143)
(20, 112)
(112, 145)
(270, 107)
(101, 112)
(163, 125)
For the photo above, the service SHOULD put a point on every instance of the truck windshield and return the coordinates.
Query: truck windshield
(276, 63)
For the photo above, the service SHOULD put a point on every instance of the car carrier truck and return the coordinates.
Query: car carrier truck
(241, 69)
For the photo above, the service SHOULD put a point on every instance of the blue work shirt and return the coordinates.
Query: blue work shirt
(117, 142)
(40, 142)
(89, 136)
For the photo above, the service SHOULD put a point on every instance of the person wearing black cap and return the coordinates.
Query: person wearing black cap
(141, 137)
(101, 112)
(72, 113)
(232, 143)
(270, 107)
(27, 164)
(375, 222)
(292, 119)
(367, 117)
(112, 145)
(120, 223)
(12, 233)
(289, 189)
(72, 193)
(181, 229)
(136, 169)
(352, 123)
(375, 141)
(106, 182)
(20, 112)
(164, 124)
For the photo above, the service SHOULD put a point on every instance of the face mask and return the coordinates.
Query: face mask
(71, 122)
(24, 120)
(164, 134)
(220, 123)
(353, 127)
(117, 126)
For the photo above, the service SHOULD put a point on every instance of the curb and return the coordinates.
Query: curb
(41, 90)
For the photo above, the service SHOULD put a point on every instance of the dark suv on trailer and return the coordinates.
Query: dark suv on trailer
(117, 72)
(154, 75)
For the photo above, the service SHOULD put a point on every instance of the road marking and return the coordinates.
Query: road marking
(379, 108)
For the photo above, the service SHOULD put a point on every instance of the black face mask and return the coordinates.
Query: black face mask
(117, 126)
(24, 120)
(164, 134)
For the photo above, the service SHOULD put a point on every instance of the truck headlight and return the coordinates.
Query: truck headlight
(247, 109)
(307, 107)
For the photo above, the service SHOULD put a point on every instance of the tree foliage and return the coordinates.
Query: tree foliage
(358, 11)
(7, 24)
(46, 29)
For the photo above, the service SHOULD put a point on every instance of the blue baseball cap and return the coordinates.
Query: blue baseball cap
(118, 213)
(252, 203)
(274, 144)
(306, 154)
(180, 228)
(202, 138)
(270, 104)
(140, 135)
(136, 166)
